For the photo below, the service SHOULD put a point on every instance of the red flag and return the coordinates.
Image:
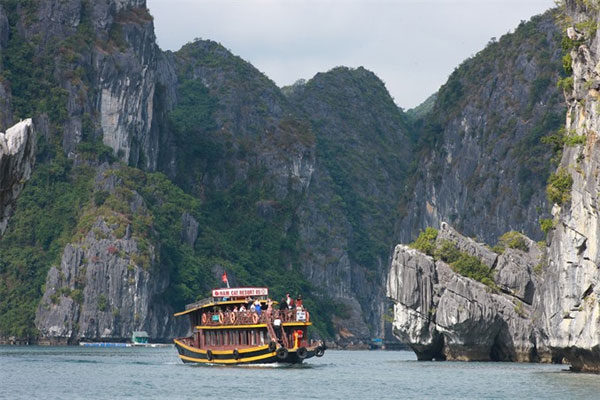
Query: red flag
(224, 277)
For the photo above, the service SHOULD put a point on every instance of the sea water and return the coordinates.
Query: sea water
(157, 373)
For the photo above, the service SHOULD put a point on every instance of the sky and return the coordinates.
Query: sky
(412, 45)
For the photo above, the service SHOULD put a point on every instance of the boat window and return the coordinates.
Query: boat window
(262, 337)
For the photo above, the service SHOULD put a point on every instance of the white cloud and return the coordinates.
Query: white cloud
(412, 45)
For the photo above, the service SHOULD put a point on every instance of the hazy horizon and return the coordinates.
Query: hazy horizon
(412, 45)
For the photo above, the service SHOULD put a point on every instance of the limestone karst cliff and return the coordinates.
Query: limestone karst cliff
(553, 291)
(17, 157)
(444, 315)
(569, 298)
(481, 163)
(362, 163)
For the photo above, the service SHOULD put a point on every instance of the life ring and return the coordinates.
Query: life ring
(319, 351)
(272, 346)
(209, 355)
(232, 317)
(282, 353)
(221, 318)
(203, 319)
(302, 353)
(236, 354)
(255, 318)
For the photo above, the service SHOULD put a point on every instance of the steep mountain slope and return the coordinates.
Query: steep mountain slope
(568, 302)
(363, 153)
(481, 163)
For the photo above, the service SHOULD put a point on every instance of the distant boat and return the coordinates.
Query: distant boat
(224, 335)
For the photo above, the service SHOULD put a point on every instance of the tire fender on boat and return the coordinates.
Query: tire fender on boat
(282, 353)
(319, 351)
(272, 346)
(209, 355)
(302, 353)
(236, 354)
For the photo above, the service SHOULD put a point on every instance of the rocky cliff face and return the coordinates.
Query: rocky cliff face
(443, 315)
(109, 282)
(107, 69)
(347, 216)
(568, 301)
(17, 157)
(556, 315)
(248, 124)
(481, 164)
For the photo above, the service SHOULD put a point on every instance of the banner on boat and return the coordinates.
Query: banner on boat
(240, 292)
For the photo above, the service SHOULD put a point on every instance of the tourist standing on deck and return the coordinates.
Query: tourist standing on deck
(299, 302)
(257, 307)
(269, 308)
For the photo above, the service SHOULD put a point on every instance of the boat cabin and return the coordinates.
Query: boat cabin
(140, 337)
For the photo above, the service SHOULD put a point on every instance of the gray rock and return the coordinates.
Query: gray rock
(567, 303)
(17, 157)
(105, 289)
(442, 315)
(189, 229)
(410, 285)
(514, 274)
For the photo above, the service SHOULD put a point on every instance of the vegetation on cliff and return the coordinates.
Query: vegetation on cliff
(46, 216)
(490, 117)
(461, 262)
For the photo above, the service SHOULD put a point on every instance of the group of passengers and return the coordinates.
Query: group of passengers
(255, 306)
(288, 303)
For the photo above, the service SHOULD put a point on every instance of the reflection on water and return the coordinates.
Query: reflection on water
(157, 373)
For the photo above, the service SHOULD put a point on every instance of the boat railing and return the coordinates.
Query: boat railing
(199, 303)
(219, 318)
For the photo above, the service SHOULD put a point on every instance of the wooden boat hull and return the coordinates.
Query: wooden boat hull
(254, 355)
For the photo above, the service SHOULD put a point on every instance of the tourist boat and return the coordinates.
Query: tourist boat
(223, 335)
